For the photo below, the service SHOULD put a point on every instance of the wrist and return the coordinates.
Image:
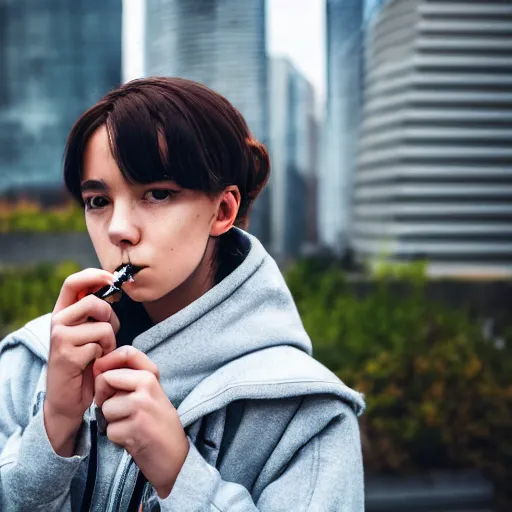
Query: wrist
(61, 430)
(164, 489)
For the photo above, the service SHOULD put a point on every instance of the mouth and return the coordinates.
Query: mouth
(133, 268)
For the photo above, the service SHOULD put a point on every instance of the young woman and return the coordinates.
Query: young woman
(202, 371)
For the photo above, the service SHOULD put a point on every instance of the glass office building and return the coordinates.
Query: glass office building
(56, 59)
(293, 148)
(372, 9)
(347, 22)
(344, 57)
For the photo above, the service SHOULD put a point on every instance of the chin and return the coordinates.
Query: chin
(145, 294)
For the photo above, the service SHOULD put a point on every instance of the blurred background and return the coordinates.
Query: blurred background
(389, 125)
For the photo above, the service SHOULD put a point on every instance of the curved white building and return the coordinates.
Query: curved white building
(434, 173)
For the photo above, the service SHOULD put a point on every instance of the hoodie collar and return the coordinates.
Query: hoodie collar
(248, 311)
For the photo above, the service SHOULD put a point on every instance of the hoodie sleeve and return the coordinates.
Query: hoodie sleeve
(326, 474)
(32, 476)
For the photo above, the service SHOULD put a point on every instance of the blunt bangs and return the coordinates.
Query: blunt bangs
(152, 139)
(164, 132)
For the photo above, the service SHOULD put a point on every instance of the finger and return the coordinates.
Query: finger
(121, 433)
(114, 321)
(118, 406)
(126, 379)
(103, 390)
(126, 357)
(77, 361)
(100, 333)
(88, 353)
(90, 307)
(88, 279)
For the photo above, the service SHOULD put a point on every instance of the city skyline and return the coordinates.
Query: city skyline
(285, 26)
(377, 185)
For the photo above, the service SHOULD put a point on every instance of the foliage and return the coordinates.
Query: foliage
(26, 293)
(438, 388)
(438, 392)
(30, 217)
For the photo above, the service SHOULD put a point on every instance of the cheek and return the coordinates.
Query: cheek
(99, 238)
(185, 240)
(180, 245)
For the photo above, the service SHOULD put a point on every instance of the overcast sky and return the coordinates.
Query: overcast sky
(295, 28)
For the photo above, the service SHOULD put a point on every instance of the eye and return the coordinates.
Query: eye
(95, 202)
(159, 195)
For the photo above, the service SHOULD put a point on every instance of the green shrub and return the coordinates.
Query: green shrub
(439, 394)
(27, 217)
(26, 293)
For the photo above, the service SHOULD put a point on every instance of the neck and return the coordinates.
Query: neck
(197, 284)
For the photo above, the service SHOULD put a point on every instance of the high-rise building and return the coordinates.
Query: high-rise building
(222, 44)
(293, 149)
(434, 177)
(344, 20)
(56, 60)
(372, 9)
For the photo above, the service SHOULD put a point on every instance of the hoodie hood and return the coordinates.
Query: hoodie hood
(250, 310)
(242, 340)
(244, 330)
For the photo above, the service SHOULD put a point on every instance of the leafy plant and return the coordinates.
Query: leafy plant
(438, 391)
(26, 293)
(30, 217)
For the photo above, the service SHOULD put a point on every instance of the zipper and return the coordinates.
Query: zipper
(191, 415)
(116, 490)
(118, 485)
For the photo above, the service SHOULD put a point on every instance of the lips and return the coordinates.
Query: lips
(134, 268)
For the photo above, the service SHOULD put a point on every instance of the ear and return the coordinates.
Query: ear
(228, 205)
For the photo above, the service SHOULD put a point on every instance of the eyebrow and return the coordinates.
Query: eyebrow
(96, 185)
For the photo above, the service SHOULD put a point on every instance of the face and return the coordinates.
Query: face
(159, 226)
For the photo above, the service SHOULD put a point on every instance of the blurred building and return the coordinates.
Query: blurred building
(346, 23)
(434, 177)
(343, 23)
(293, 147)
(371, 10)
(222, 44)
(56, 60)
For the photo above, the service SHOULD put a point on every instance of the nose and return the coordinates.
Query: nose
(122, 229)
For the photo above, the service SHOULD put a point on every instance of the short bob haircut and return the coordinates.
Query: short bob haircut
(173, 129)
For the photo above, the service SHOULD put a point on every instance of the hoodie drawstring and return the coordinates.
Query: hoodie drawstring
(91, 469)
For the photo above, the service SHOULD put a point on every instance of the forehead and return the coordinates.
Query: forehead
(98, 159)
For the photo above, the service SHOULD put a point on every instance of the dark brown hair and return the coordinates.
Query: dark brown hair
(172, 128)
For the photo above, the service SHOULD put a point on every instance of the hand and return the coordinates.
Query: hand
(74, 344)
(140, 417)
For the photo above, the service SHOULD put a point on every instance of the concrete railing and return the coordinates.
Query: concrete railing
(32, 248)
(439, 492)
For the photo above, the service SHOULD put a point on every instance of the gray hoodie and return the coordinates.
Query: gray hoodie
(270, 428)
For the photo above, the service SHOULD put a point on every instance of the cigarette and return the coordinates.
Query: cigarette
(112, 293)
